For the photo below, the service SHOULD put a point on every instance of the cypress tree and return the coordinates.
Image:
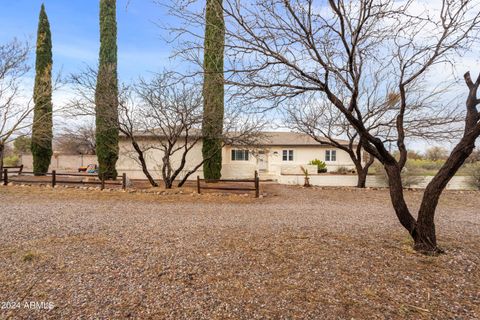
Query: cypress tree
(42, 95)
(106, 94)
(213, 89)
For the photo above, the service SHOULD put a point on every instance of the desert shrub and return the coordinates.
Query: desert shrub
(306, 176)
(343, 170)
(12, 160)
(436, 153)
(474, 175)
(426, 164)
(321, 166)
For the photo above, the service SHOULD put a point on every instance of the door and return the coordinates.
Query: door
(262, 161)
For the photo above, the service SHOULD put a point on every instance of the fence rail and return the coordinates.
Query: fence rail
(19, 170)
(255, 181)
(54, 181)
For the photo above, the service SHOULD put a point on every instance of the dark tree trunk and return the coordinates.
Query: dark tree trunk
(425, 240)
(362, 171)
(143, 163)
(2, 148)
(362, 178)
(398, 201)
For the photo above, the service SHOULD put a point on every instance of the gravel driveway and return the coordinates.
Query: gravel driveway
(297, 253)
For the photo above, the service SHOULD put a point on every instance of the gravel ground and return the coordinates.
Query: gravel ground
(297, 253)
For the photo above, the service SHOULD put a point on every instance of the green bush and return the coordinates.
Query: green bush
(321, 166)
(426, 164)
(474, 175)
(13, 160)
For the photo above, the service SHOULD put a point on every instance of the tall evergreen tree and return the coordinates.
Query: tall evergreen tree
(42, 96)
(213, 89)
(106, 95)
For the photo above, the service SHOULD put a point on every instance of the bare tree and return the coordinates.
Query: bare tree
(171, 115)
(77, 139)
(436, 153)
(282, 49)
(166, 116)
(14, 108)
(326, 124)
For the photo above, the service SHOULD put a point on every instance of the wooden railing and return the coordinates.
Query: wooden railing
(56, 178)
(19, 170)
(255, 181)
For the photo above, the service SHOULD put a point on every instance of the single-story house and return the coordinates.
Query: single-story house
(279, 153)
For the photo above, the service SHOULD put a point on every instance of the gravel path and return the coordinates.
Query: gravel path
(298, 253)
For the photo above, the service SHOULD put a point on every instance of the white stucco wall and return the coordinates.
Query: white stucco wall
(334, 180)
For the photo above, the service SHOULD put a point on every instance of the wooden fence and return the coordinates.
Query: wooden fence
(209, 182)
(16, 169)
(56, 179)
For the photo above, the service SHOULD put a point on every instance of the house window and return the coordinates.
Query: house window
(287, 155)
(330, 155)
(239, 155)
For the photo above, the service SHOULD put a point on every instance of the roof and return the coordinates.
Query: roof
(271, 138)
(294, 139)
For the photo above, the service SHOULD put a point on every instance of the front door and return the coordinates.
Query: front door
(262, 161)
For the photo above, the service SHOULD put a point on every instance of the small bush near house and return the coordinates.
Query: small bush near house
(474, 172)
(306, 176)
(321, 166)
(343, 170)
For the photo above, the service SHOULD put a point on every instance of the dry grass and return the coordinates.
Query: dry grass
(298, 253)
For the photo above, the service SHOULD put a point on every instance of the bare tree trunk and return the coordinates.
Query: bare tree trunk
(426, 240)
(362, 177)
(168, 183)
(2, 148)
(362, 171)
(143, 163)
(398, 201)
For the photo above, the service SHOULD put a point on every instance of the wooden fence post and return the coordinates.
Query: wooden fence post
(198, 184)
(21, 170)
(5, 177)
(257, 185)
(124, 181)
(102, 179)
(54, 178)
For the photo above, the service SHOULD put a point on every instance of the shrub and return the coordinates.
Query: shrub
(12, 160)
(321, 166)
(426, 164)
(474, 175)
(343, 170)
(306, 176)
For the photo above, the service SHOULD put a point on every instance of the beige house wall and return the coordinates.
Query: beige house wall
(302, 155)
(231, 169)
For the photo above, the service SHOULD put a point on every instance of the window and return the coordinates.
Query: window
(287, 155)
(330, 155)
(239, 155)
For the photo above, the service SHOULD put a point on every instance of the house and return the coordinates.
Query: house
(279, 153)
